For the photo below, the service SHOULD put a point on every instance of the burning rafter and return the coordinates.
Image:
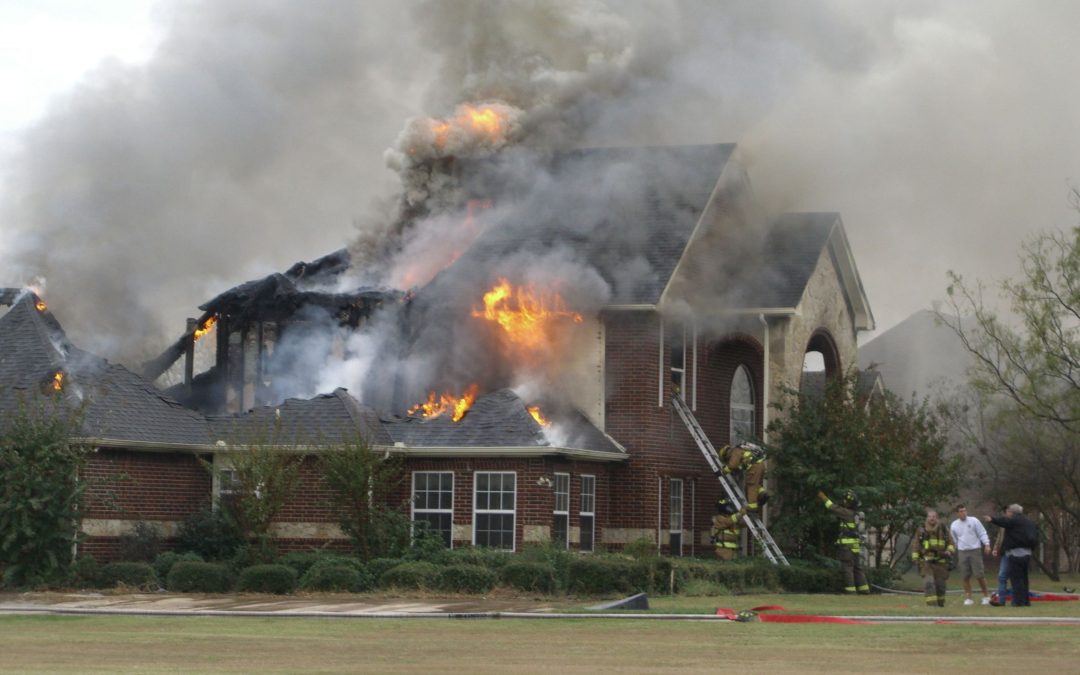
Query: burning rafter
(447, 402)
(206, 327)
(525, 313)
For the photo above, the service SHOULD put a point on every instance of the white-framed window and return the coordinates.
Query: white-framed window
(742, 406)
(678, 362)
(560, 524)
(587, 515)
(494, 502)
(675, 504)
(224, 484)
(433, 502)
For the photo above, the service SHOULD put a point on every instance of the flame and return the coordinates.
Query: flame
(41, 306)
(437, 405)
(58, 381)
(206, 327)
(525, 314)
(534, 410)
(484, 121)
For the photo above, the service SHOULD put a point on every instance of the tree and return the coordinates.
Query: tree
(363, 484)
(892, 453)
(1027, 369)
(40, 492)
(261, 474)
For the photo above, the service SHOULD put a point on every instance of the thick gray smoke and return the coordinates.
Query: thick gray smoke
(942, 131)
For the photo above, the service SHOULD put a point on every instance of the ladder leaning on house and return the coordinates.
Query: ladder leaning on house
(734, 492)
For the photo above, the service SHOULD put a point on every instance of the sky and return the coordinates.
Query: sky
(155, 152)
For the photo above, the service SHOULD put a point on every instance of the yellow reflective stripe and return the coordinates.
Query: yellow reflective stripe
(828, 503)
(848, 541)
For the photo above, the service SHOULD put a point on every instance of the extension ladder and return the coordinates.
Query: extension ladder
(734, 492)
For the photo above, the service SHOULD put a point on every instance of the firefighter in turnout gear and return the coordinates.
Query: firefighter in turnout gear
(847, 542)
(932, 547)
(725, 530)
(748, 458)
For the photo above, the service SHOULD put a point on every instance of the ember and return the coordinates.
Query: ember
(58, 381)
(436, 406)
(534, 410)
(525, 314)
(41, 306)
(206, 327)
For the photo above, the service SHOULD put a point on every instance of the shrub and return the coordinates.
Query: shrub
(142, 543)
(532, 577)
(165, 561)
(278, 579)
(595, 575)
(641, 548)
(467, 579)
(881, 576)
(413, 574)
(702, 588)
(319, 576)
(211, 534)
(379, 565)
(301, 561)
(86, 572)
(138, 575)
(556, 556)
(331, 578)
(258, 552)
(199, 577)
(487, 557)
(806, 577)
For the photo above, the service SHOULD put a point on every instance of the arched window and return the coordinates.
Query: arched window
(742, 405)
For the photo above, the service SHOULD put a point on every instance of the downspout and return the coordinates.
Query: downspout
(693, 516)
(765, 404)
(659, 510)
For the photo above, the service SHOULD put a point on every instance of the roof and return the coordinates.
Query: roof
(627, 213)
(119, 406)
(869, 384)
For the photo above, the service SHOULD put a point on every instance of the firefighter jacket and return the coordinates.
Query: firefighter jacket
(725, 531)
(736, 458)
(849, 529)
(933, 545)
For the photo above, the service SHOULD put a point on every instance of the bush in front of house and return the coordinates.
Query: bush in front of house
(163, 564)
(211, 534)
(807, 577)
(301, 561)
(277, 579)
(467, 579)
(597, 575)
(531, 577)
(85, 572)
(199, 577)
(491, 558)
(138, 575)
(332, 579)
(377, 566)
(142, 543)
(415, 574)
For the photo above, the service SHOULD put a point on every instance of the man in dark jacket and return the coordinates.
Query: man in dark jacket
(1021, 538)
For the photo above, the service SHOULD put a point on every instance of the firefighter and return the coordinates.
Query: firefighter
(750, 459)
(847, 542)
(725, 529)
(932, 548)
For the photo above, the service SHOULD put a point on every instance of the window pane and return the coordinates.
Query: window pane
(562, 492)
(676, 504)
(588, 494)
(586, 533)
(560, 530)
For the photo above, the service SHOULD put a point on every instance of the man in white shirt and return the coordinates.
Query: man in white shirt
(971, 544)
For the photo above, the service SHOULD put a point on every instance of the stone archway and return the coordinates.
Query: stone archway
(822, 342)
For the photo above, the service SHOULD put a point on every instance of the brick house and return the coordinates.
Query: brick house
(700, 302)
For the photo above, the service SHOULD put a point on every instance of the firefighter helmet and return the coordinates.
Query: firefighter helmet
(724, 506)
(850, 499)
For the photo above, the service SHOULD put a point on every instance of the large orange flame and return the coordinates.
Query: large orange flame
(534, 410)
(484, 121)
(525, 314)
(437, 405)
(206, 327)
(58, 381)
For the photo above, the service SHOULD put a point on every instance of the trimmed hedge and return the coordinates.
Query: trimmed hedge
(278, 579)
(414, 574)
(331, 579)
(86, 572)
(138, 575)
(485, 557)
(165, 561)
(596, 575)
(467, 579)
(806, 577)
(301, 561)
(378, 566)
(532, 577)
(199, 577)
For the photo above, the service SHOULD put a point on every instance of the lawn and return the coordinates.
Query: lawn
(42, 643)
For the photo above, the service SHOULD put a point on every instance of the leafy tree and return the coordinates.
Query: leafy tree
(1027, 374)
(40, 492)
(892, 453)
(262, 472)
(363, 484)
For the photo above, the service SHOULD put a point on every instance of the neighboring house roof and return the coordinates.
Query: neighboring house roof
(869, 384)
(119, 407)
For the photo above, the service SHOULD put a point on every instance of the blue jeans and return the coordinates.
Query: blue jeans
(1003, 578)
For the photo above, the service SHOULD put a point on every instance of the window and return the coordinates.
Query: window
(493, 509)
(587, 517)
(676, 504)
(742, 406)
(433, 502)
(678, 362)
(560, 526)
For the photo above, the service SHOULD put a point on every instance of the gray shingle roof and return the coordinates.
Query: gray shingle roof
(119, 405)
(327, 418)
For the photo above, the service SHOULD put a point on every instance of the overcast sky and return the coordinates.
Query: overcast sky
(147, 146)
